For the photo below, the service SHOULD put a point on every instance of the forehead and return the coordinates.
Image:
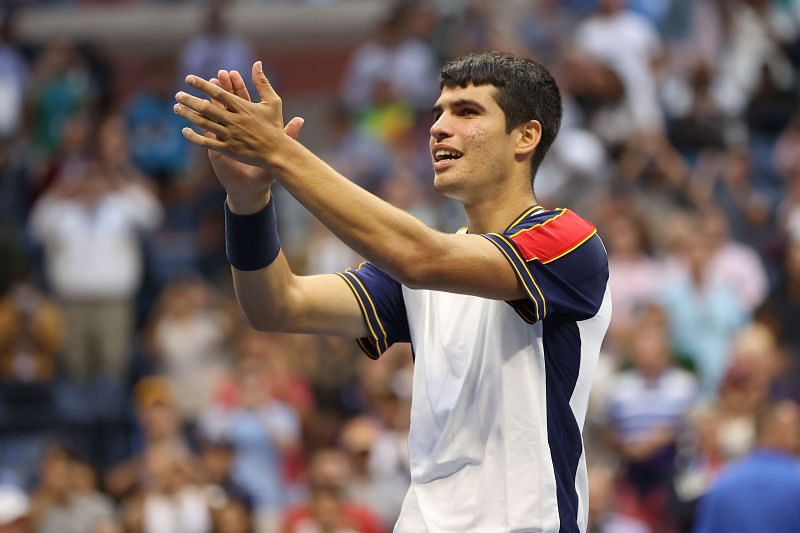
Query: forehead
(483, 94)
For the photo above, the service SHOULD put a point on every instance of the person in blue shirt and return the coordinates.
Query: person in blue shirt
(761, 492)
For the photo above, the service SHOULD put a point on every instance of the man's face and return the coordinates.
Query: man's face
(470, 149)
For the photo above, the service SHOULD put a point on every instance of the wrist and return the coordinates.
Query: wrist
(285, 156)
(248, 204)
(251, 241)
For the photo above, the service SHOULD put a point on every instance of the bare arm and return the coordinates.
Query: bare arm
(415, 255)
(274, 298)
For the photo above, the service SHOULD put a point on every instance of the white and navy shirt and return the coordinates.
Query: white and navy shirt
(500, 389)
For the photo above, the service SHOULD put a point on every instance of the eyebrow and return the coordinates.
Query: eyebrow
(461, 102)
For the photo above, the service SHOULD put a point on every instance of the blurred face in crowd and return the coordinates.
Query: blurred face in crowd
(57, 473)
(625, 239)
(159, 420)
(326, 505)
(650, 349)
(232, 517)
(470, 149)
(218, 459)
(113, 140)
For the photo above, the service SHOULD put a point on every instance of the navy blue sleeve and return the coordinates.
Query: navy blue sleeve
(381, 300)
(560, 261)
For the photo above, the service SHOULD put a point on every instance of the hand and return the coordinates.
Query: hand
(237, 129)
(245, 184)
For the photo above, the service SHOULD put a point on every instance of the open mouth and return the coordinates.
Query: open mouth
(446, 155)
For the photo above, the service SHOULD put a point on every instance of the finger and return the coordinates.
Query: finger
(239, 86)
(225, 80)
(294, 126)
(263, 86)
(199, 120)
(215, 81)
(205, 107)
(217, 93)
(205, 142)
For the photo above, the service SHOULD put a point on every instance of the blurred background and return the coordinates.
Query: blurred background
(133, 395)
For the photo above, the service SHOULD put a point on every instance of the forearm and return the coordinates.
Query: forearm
(264, 295)
(387, 236)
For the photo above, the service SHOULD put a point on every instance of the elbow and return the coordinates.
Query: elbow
(420, 265)
(272, 320)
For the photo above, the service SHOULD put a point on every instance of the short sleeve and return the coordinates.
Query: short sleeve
(380, 298)
(560, 261)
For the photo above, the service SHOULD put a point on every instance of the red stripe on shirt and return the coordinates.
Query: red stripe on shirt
(554, 237)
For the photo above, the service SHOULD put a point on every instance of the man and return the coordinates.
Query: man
(499, 391)
(760, 492)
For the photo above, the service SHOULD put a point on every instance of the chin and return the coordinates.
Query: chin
(450, 186)
(446, 184)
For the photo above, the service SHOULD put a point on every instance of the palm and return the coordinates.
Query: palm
(238, 177)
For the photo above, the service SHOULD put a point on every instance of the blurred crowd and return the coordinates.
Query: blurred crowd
(134, 396)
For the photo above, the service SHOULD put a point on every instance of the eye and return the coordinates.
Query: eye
(465, 112)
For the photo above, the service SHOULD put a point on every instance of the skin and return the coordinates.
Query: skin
(250, 148)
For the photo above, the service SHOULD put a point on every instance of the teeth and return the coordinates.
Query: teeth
(441, 154)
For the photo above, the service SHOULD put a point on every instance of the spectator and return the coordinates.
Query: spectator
(394, 63)
(159, 425)
(231, 516)
(90, 227)
(170, 499)
(61, 86)
(217, 46)
(157, 147)
(218, 456)
(760, 492)
(646, 409)
(757, 33)
(629, 44)
(190, 329)
(634, 276)
(734, 264)
(381, 492)
(66, 500)
(704, 314)
(31, 338)
(262, 430)
(329, 508)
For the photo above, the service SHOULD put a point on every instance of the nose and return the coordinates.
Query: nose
(441, 128)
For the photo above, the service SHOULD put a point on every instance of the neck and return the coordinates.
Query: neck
(494, 213)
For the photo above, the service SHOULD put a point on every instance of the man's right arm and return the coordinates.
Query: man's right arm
(275, 299)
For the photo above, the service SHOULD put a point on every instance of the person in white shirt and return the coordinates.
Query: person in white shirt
(505, 317)
(90, 227)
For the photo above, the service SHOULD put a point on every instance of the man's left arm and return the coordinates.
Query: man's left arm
(399, 244)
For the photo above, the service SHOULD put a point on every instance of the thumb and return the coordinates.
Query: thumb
(293, 127)
(263, 86)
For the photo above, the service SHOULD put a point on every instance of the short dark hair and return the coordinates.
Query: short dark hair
(525, 91)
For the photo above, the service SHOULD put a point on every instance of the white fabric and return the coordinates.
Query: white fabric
(185, 512)
(478, 443)
(94, 252)
(627, 43)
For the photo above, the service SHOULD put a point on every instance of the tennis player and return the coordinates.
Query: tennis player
(505, 318)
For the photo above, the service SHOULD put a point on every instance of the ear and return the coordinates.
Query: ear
(530, 133)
